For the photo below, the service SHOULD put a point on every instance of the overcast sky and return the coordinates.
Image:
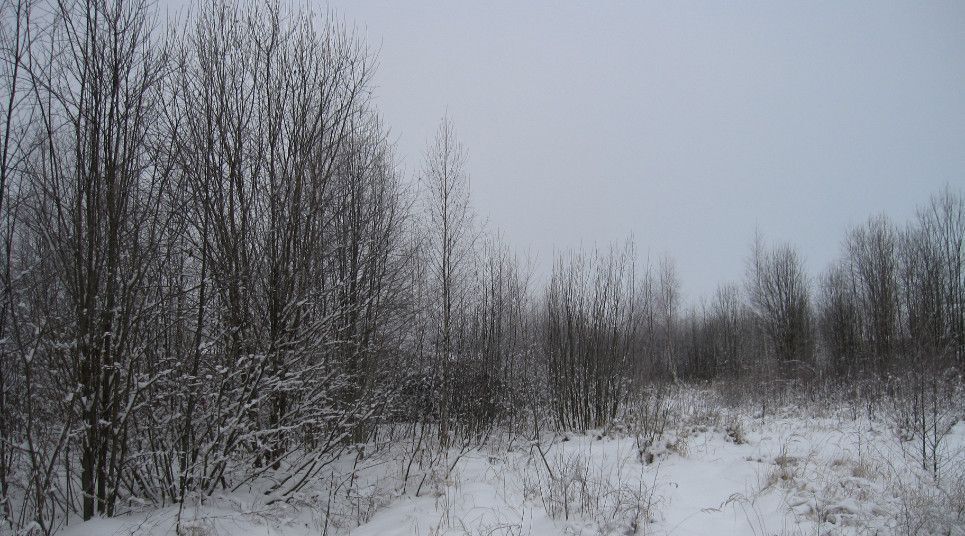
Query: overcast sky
(685, 124)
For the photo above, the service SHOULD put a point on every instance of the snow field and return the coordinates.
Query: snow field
(713, 471)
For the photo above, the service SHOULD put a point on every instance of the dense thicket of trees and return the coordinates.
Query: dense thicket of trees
(589, 334)
(214, 273)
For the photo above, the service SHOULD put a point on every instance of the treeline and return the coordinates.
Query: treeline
(213, 273)
(892, 303)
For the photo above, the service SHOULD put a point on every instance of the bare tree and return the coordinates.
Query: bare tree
(730, 333)
(872, 254)
(491, 382)
(936, 251)
(839, 322)
(780, 298)
(450, 240)
(296, 219)
(15, 23)
(93, 223)
(590, 329)
(930, 258)
(667, 304)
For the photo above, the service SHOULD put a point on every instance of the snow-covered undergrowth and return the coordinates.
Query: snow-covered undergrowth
(709, 469)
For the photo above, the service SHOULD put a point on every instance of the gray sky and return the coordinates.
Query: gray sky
(685, 124)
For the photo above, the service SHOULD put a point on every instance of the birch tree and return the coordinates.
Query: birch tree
(450, 240)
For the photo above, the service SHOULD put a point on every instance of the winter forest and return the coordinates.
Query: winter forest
(226, 310)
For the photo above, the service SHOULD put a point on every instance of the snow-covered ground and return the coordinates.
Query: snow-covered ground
(714, 472)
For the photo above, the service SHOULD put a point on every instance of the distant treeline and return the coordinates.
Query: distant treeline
(213, 272)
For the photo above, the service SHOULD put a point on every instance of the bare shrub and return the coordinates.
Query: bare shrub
(649, 416)
(575, 490)
(925, 408)
(735, 431)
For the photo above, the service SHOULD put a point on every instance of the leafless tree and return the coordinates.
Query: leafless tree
(872, 255)
(493, 380)
(730, 331)
(667, 304)
(296, 231)
(449, 255)
(930, 257)
(15, 110)
(935, 264)
(780, 297)
(589, 334)
(839, 322)
(93, 224)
